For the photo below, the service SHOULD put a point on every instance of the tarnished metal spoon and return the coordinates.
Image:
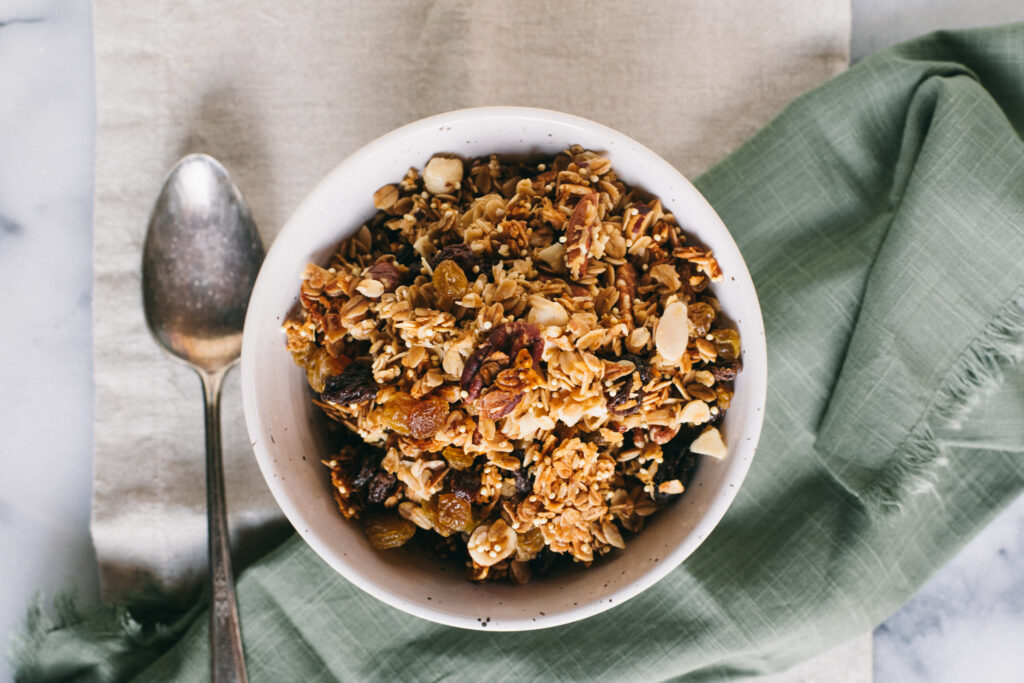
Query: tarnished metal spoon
(199, 264)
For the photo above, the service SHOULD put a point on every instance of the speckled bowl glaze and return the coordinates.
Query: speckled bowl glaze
(287, 432)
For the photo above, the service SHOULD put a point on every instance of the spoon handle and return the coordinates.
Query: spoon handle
(227, 661)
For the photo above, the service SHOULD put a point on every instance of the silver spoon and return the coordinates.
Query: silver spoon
(199, 264)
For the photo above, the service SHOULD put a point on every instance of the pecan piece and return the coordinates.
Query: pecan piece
(637, 222)
(498, 403)
(577, 235)
(354, 385)
(662, 435)
(520, 376)
(483, 373)
(493, 356)
(625, 282)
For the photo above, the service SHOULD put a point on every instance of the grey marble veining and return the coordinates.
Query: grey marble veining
(9, 227)
(967, 623)
(20, 20)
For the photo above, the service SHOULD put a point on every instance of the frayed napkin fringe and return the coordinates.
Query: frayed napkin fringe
(111, 632)
(977, 373)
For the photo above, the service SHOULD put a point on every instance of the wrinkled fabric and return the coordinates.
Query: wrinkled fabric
(281, 92)
(882, 218)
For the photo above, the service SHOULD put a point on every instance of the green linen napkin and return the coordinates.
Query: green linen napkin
(882, 217)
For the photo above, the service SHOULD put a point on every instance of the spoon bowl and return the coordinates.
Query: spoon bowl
(199, 264)
(200, 261)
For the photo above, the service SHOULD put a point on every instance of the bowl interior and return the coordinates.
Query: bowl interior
(287, 431)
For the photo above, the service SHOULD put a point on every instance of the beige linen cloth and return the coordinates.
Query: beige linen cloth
(283, 91)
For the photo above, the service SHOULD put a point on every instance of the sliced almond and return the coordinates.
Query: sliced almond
(672, 487)
(695, 412)
(704, 377)
(638, 340)
(697, 390)
(371, 289)
(546, 312)
(385, 197)
(709, 443)
(453, 363)
(612, 534)
(673, 332)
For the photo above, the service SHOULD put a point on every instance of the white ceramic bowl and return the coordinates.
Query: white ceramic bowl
(286, 430)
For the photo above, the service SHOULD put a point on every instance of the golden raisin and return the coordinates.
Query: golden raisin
(457, 457)
(727, 343)
(418, 418)
(451, 514)
(701, 316)
(388, 531)
(450, 281)
(724, 397)
(531, 541)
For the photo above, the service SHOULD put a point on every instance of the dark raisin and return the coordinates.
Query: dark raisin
(726, 372)
(461, 254)
(626, 394)
(407, 255)
(365, 465)
(410, 258)
(642, 366)
(524, 482)
(354, 385)
(678, 462)
(547, 561)
(465, 483)
(382, 485)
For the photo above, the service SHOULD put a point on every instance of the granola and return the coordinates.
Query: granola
(526, 359)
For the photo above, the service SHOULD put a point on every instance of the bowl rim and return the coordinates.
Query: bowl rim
(717, 507)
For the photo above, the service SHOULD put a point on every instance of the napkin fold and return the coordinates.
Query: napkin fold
(882, 218)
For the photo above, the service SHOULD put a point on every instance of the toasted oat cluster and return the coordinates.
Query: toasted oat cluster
(526, 359)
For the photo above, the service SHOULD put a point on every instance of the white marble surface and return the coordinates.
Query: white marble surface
(967, 623)
(46, 146)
